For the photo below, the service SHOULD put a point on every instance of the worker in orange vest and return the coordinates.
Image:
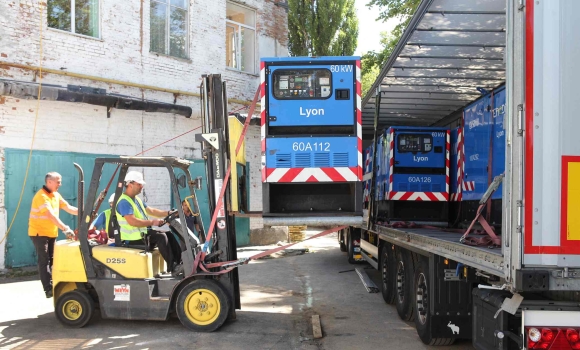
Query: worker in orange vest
(43, 225)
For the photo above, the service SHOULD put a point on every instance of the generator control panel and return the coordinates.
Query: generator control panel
(302, 83)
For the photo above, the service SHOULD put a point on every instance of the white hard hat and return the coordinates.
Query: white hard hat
(134, 176)
(112, 198)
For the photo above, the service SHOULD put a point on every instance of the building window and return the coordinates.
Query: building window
(240, 38)
(75, 16)
(169, 23)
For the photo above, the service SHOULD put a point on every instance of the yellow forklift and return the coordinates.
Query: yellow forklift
(128, 282)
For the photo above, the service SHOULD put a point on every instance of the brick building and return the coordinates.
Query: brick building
(152, 51)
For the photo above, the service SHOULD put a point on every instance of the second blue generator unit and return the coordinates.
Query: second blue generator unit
(412, 174)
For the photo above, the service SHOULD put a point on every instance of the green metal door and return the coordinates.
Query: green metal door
(242, 224)
(19, 249)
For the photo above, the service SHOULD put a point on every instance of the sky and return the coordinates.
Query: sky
(369, 29)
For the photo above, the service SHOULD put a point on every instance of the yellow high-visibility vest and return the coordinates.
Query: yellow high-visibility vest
(128, 232)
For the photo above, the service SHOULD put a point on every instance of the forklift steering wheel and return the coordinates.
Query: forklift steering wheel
(172, 215)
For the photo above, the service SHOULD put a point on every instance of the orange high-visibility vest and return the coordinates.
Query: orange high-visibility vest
(39, 222)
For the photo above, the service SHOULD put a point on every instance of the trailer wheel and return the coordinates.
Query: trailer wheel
(341, 240)
(387, 276)
(405, 295)
(202, 305)
(422, 302)
(74, 309)
(350, 238)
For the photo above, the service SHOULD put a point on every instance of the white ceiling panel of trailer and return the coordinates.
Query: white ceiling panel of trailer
(451, 50)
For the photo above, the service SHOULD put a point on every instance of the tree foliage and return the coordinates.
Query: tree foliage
(388, 9)
(322, 27)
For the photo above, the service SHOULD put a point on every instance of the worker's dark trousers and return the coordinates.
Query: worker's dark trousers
(167, 246)
(44, 251)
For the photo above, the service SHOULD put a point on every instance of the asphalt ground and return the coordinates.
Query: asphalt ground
(279, 296)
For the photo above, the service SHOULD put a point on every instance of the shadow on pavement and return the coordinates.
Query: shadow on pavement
(251, 330)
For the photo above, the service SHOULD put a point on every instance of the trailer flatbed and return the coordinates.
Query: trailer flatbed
(440, 242)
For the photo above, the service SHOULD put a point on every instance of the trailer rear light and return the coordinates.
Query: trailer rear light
(572, 335)
(553, 338)
(534, 335)
(356, 242)
(547, 335)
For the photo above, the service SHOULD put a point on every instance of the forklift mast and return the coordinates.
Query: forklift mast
(216, 153)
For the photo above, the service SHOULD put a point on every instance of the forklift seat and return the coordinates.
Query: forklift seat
(130, 262)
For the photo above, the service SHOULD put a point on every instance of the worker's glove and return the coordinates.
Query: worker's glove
(70, 234)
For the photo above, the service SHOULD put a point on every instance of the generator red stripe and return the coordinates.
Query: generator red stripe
(431, 196)
(263, 88)
(406, 196)
(269, 171)
(312, 179)
(447, 160)
(333, 174)
(290, 174)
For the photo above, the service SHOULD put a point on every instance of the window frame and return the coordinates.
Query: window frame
(239, 42)
(168, 29)
(281, 71)
(73, 21)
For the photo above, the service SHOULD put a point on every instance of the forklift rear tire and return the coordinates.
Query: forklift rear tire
(202, 306)
(388, 285)
(342, 240)
(422, 300)
(74, 309)
(405, 293)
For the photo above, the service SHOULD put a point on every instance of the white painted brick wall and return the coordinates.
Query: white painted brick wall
(122, 53)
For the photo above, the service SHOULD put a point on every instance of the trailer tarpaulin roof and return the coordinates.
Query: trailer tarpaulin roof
(451, 51)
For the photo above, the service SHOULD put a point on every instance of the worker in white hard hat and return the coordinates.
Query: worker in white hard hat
(102, 221)
(134, 223)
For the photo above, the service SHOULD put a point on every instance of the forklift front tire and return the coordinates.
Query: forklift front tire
(74, 309)
(202, 306)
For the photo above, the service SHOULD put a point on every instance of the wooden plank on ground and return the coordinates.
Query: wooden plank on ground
(316, 328)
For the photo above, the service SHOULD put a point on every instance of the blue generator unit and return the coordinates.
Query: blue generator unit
(311, 139)
(484, 148)
(412, 174)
